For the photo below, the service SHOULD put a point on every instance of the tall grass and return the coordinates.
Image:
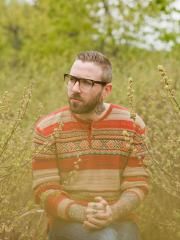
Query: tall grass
(150, 94)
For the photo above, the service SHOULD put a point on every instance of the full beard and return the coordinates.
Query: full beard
(84, 108)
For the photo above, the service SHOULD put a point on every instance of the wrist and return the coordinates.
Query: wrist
(76, 212)
(125, 205)
(115, 212)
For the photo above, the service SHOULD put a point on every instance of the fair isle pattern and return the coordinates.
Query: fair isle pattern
(70, 153)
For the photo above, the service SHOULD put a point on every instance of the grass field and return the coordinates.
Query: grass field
(34, 88)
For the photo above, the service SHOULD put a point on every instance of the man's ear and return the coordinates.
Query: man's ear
(107, 90)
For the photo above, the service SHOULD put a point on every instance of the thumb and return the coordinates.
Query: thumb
(102, 200)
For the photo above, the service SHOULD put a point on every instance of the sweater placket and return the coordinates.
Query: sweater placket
(90, 134)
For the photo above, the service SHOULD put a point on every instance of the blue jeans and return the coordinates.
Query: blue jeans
(63, 230)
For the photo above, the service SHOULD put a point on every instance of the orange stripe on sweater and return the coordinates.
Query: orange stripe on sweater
(135, 162)
(93, 162)
(44, 187)
(134, 179)
(52, 204)
(47, 164)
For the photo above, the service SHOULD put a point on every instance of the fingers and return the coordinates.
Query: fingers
(101, 215)
(104, 215)
(99, 209)
(95, 223)
(98, 214)
(89, 211)
(91, 225)
(99, 204)
(100, 199)
(96, 206)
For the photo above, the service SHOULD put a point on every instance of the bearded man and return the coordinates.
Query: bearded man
(88, 165)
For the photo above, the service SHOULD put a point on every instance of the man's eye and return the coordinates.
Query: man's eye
(73, 80)
(85, 82)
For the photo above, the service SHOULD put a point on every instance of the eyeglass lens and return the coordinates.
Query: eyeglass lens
(84, 84)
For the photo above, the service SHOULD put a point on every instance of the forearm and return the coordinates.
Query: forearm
(76, 212)
(127, 203)
(58, 204)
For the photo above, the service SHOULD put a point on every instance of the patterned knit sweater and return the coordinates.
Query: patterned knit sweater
(75, 161)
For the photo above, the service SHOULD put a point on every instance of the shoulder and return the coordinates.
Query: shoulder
(46, 124)
(122, 113)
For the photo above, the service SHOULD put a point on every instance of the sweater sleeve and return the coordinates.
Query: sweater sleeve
(134, 186)
(46, 179)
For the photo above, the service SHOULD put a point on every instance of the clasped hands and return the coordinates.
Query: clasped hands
(98, 214)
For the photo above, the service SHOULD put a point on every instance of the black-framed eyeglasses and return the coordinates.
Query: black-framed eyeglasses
(84, 83)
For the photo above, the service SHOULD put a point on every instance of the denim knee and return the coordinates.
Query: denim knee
(119, 231)
(128, 230)
(71, 231)
(104, 234)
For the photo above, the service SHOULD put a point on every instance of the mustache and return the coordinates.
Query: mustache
(76, 96)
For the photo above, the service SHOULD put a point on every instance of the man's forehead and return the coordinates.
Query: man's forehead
(86, 69)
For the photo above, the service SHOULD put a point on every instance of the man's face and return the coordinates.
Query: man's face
(83, 102)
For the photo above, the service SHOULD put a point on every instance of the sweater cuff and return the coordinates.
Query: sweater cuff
(63, 207)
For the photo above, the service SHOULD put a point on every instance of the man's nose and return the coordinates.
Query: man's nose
(76, 87)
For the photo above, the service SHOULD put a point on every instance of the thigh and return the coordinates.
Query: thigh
(63, 230)
(127, 230)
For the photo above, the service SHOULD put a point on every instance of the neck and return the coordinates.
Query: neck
(100, 109)
(96, 114)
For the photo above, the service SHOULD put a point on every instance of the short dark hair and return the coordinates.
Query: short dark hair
(99, 59)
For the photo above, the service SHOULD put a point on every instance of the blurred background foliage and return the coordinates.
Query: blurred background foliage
(38, 42)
